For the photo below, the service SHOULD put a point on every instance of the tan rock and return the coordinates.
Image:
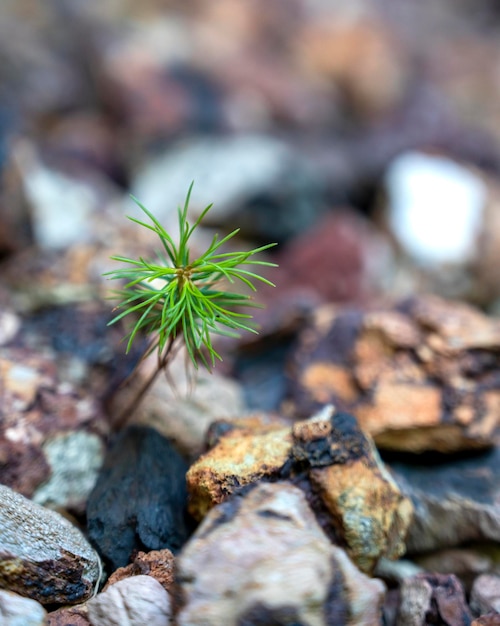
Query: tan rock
(262, 558)
(240, 458)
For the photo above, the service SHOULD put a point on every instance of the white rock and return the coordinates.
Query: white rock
(435, 208)
(134, 601)
(18, 611)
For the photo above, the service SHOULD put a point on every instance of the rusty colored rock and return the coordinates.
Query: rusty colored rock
(261, 558)
(433, 599)
(241, 457)
(42, 555)
(363, 499)
(158, 563)
(69, 616)
(421, 376)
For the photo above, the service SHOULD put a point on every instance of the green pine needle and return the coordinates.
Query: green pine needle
(175, 298)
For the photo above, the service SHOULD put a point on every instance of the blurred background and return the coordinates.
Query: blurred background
(363, 137)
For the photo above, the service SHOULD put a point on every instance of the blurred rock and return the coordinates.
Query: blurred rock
(18, 611)
(466, 563)
(10, 324)
(427, 599)
(69, 616)
(51, 435)
(256, 183)
(158, 563)
(43, 556)
(139, 500)
(487, 620)
(133, 601)
(420, 376)
(182, 406)
(342, 470)
(485, 595)
(262, 558)
(454, 502)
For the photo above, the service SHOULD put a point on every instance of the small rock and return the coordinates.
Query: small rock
(69, 616)
(433, 599)
(487, 620)
(262, 558)
(454, 502)
(158, 563)
(43, 556)
(466, 563)
(133, 601)
(485, 595)
(421, 376)
(18, 611)
(139, 500)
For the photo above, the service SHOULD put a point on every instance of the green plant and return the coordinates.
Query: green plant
(178, 299)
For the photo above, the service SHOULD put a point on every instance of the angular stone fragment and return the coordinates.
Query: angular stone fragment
(485, 595)
(250, 450)
(262, 558)
(139, 501)
(70, 616)
(422, 376)
(355, 487)
(433, 599)
(133, 601)
(18, 611)
(454, 502)
(42, 555)
(158, 563)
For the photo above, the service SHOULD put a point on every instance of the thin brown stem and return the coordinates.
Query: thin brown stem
(123, 418)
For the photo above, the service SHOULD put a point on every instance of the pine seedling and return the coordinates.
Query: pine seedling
(175, 299)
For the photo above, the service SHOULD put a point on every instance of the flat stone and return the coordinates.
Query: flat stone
(133, 601)
(42, 555)
(139, 500)
(454, 502)
(422, 376)
(18, 611)
(262, 558)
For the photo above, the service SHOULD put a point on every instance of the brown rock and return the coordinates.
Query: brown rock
(69, 616)
(421, 376)
(485, 595)
(158, 563)
(262, 558)
(431, 599)
(487, 620)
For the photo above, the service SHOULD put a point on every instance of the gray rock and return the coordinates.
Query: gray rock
(42, 555)
(454, 502)
(133, 601)
(261, 558)
(485, 595)
(18, 611)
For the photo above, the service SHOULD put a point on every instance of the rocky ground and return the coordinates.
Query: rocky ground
(343, 466)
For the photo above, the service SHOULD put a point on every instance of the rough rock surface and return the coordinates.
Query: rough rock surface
(433, 599)
(18, 611)
(454, 502)
(158, 563)
(133, 601)
(42, 555)
(69, 616)
(331, 459)
(421, 376)
(140, 497)
(262, 558)
(485, 595)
